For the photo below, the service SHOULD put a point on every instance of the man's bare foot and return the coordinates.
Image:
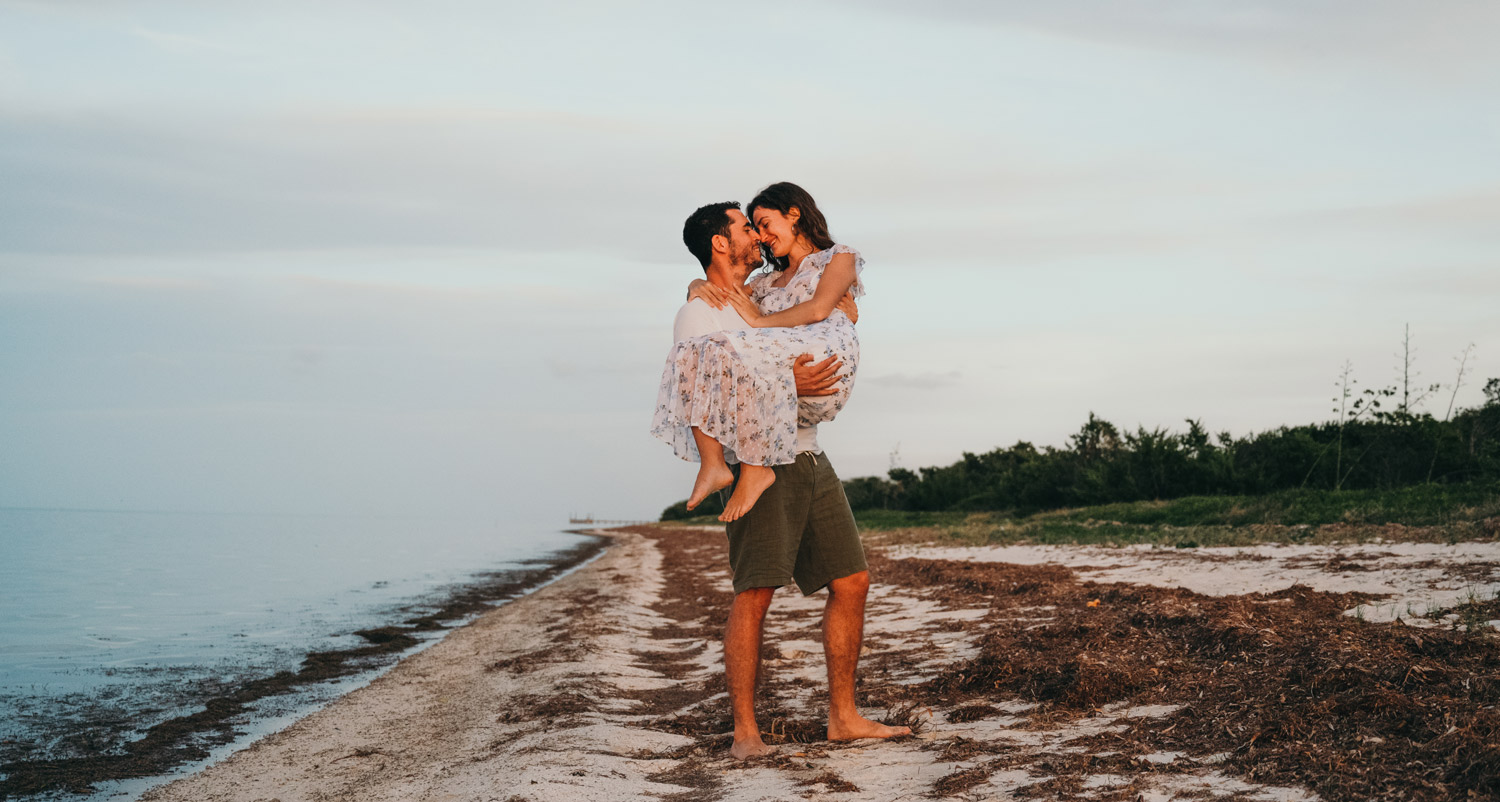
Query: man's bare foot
(754, 479)
(861, 727)
(711, 477)
(748, 747)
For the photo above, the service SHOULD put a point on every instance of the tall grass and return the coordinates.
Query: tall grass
(1422, 512)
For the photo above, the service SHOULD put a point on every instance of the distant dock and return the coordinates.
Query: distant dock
(590, 519)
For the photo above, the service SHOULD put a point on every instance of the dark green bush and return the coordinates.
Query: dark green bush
(1102, 465)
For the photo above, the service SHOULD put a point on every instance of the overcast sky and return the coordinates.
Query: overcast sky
(423, 259)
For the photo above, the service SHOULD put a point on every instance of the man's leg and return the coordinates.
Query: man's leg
(742, 667)
(843, 634)
(762, 550)
(831, 555)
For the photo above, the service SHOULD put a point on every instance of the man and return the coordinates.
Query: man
(801, 530)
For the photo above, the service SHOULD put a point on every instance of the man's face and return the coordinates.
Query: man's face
(744, 244)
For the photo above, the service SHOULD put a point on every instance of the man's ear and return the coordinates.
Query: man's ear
(719, 243)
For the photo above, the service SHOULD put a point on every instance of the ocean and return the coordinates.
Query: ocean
(112, 623)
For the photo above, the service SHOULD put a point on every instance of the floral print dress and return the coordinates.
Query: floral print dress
(737, 386)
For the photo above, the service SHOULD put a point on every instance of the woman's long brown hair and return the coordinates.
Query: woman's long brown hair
(783, 196)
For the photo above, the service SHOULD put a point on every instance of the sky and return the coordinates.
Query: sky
(406, 259)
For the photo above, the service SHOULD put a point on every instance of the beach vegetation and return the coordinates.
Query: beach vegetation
(1377, 440)
(1101, 466)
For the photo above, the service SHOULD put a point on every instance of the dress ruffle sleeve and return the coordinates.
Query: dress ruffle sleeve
(858, 288)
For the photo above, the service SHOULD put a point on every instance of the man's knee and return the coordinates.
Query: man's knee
(754, 600)
(856, 583)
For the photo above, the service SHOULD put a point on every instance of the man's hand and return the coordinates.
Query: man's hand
(816, 379)
(849, 308)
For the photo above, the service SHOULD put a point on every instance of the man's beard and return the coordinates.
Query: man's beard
(752, 258)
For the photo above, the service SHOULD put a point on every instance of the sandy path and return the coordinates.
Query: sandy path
(434, 728)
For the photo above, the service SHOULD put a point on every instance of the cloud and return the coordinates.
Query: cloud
(100, 184)
(430, 178)
(157, 283)
(919, 381)
(1007, 244)
(1442, 38)
(180, 44)
(152, 360)
(514, 179)
(1475, 212)
(1459, 286)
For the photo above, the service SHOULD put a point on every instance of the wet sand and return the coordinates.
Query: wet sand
(1022, 680)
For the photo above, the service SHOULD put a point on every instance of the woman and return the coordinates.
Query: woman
(733, 391)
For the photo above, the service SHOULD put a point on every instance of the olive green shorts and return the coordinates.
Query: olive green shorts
(800, 530)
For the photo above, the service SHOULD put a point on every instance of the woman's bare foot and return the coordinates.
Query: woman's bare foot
(748, 747)
(860, 727)
(754, 479)
(711, 477)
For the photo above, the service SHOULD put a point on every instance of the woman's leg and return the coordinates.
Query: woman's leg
(754, 479)
(713, 473)
(743, 398)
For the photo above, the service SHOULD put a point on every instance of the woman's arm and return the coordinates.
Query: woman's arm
(711, 295)
(838, 277)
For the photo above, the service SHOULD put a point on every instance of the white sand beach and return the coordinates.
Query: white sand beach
(605, 685)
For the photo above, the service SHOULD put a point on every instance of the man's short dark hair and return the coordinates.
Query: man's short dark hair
(703, 225)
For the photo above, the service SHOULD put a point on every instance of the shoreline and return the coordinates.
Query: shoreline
(1023, 680)
(444, 703)
(224, 723)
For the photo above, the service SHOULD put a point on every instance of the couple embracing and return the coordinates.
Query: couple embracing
(754, 369)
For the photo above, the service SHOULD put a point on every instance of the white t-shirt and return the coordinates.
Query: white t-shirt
(697, 318)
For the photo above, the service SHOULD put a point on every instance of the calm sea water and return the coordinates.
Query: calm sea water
(112, 621)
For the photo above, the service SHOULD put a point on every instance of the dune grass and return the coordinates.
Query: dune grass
(1443, 513)
(1432, 513)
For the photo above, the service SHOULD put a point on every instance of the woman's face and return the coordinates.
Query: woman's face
(776, 229)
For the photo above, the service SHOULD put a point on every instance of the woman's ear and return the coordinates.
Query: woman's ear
(793, 215)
